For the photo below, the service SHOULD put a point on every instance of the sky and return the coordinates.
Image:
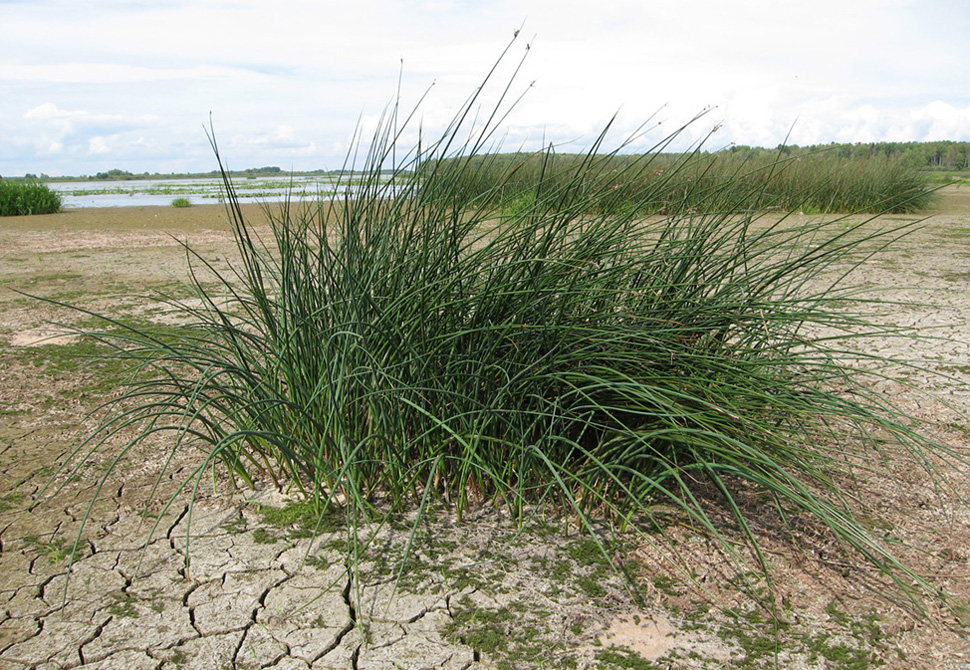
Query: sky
(87, 86)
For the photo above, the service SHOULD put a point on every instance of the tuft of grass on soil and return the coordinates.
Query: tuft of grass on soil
(419, 344)
(181, 202)
(55, 550)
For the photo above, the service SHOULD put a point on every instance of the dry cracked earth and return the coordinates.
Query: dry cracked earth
(105, 575)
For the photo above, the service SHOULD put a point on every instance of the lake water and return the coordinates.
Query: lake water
(142, 192)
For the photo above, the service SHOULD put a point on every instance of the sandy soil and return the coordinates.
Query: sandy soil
(258, 595)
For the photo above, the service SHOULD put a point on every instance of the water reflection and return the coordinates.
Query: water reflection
(147, 192)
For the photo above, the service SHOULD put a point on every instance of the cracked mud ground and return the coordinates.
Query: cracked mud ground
(265, 589)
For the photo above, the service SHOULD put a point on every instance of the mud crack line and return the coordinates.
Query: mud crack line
(352, 623)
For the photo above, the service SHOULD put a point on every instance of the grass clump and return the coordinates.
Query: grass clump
(418, 343)
(181, 202)
(21, 198)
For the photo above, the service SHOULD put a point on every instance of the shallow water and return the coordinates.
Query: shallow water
(144, 192)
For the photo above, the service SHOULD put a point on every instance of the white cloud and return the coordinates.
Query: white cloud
(114, 73)
(291, 85)
(49, 110)
(48, 116)
(98, 145)
(861, 124)
(49, 119)
(945, 121)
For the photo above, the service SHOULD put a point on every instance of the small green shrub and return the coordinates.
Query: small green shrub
(27, 197)
(181, 202)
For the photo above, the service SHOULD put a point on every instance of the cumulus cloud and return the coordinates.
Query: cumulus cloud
(868, 122)
(137, 80)
(98, 145)
(51, 118)
(942, 120)
(282, 137)
(49, 110)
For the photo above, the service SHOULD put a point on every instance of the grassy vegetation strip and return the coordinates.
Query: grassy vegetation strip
(697, 182)
(25, 197)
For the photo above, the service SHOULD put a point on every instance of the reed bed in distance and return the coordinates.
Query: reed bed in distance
(697, 182)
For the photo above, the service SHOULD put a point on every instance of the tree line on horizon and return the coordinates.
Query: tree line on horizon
(936, 156)
(940, 155)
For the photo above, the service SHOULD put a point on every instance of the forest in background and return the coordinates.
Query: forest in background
(942, 155)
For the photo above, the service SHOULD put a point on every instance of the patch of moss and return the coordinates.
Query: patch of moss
(319, 562)
(586, 552)
(757, 645)
(762, 639)
(102, 366)
(616, 657)
(236, 526)
(544, 529)
(485, 630)
(56, 550)
(66, 358)
(513, 637)
(486, 576)
(178, 658)
(9, 501)
(302, 519)
(44, 471)
(123, 607)
(844, 657)
(963, 369)
(836, 615)
(591, 587)
(666, 584)
(263, 536)
(410, 571)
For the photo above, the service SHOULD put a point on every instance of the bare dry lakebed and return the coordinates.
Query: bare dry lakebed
(256, 581)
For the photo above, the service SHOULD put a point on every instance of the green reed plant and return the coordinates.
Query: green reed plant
(22, 198)
(181, 202)
(418, 342)
(821, 182)
(698, 181)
